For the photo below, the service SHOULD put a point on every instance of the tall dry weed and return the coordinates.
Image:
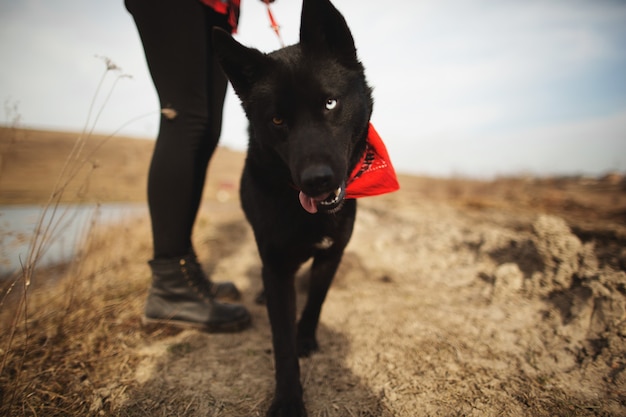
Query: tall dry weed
(33, 328)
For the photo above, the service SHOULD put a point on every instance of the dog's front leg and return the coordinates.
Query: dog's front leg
(324, 267)
(281, 308)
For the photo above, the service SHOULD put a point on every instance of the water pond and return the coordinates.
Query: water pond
(68, 225)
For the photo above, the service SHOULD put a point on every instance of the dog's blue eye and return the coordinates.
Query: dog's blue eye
(331, 103)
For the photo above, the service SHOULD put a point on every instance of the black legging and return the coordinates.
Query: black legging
(176, 36)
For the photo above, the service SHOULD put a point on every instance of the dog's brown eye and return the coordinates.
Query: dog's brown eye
(331, 103)
(277, 121)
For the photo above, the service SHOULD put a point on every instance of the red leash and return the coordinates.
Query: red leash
(274, 24)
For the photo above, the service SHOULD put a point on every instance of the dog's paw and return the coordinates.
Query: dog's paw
(294, 408)
(306, 346)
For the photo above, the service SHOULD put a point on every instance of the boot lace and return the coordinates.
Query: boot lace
(196, 279)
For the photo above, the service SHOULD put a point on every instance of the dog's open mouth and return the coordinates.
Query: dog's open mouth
(329, 202)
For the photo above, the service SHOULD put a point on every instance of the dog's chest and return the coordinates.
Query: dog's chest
(324, 243)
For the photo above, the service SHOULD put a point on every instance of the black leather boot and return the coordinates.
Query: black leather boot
(181, 295)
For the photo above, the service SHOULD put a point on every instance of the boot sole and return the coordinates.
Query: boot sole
(230, 327)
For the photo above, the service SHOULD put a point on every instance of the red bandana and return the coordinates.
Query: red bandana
(374, 174)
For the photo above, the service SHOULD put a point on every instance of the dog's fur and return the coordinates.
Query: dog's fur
(309, 107)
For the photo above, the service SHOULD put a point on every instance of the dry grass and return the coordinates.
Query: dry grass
(74, 337)
(39, 156)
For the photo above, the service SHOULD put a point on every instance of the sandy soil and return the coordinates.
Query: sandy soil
(455, 298)
(434, 313)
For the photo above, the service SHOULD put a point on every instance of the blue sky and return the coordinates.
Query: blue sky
(464, 87)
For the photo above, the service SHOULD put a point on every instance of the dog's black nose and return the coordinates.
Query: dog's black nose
(317, 178)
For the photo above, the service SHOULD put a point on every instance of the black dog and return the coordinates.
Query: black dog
(309, 108)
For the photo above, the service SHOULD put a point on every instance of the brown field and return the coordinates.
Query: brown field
(455, 298)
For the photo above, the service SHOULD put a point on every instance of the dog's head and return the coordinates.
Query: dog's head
(308, 103)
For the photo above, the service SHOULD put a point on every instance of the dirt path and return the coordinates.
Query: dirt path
(434, 313)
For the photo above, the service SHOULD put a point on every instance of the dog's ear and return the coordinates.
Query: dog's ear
(242, 65)
(324, 30)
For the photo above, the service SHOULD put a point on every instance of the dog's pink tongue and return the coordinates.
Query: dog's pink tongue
(308, 203)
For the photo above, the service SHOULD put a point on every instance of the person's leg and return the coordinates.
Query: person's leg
(176, 38)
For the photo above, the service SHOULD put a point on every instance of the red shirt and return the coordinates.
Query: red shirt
(227, 7)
